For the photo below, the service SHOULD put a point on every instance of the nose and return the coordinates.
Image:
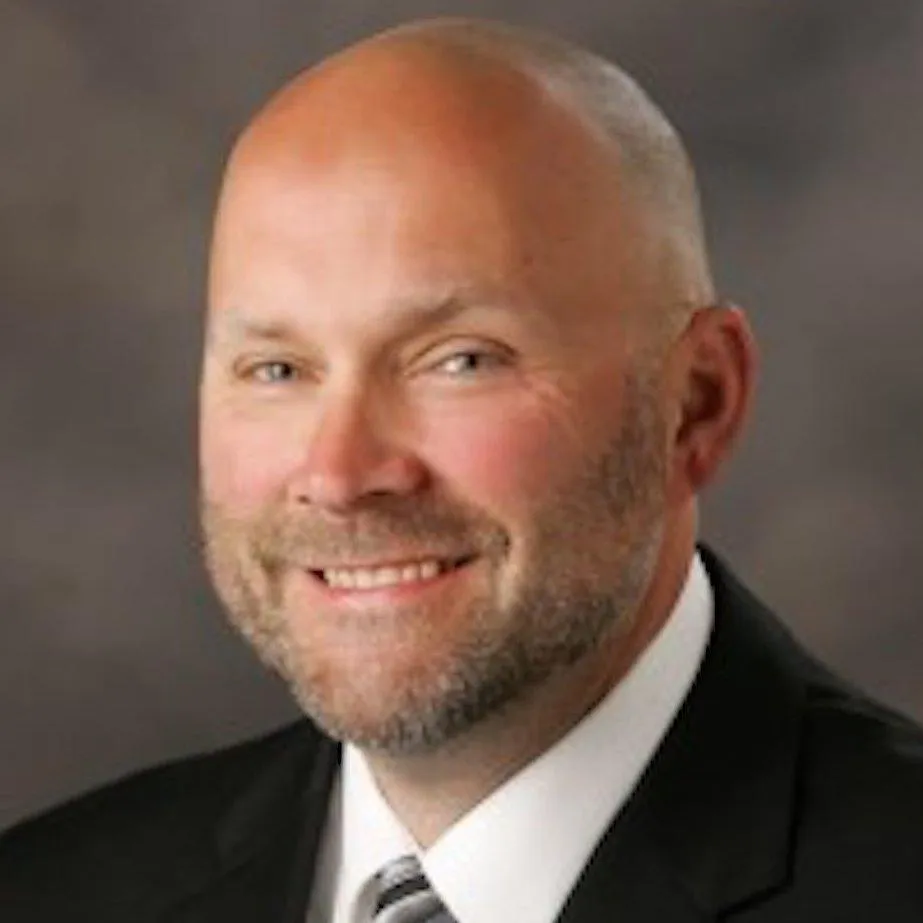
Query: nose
(353, 452)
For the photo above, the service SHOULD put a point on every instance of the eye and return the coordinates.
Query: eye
(465, 363)
(270, 372)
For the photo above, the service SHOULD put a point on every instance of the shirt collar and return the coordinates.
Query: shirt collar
(563, 796)
(371, 836)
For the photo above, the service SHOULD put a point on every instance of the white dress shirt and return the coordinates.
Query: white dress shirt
(518, 853)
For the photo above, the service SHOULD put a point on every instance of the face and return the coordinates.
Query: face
(432, 467)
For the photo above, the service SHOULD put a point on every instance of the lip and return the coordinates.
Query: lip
(389, 595)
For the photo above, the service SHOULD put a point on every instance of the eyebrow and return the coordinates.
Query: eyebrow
(235, 324)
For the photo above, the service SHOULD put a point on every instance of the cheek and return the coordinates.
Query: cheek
(500, 456)
(243, 464)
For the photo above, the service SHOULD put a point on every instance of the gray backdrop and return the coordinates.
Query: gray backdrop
(805, 121)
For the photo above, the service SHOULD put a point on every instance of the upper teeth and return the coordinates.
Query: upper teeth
(362, 578)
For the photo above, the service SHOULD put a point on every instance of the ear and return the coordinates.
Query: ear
(715, 377)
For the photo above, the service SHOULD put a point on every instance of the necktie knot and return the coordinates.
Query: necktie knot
(406, 896)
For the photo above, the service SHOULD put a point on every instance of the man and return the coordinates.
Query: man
(465, 375)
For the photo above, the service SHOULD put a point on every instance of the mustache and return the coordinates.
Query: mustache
(308, 536)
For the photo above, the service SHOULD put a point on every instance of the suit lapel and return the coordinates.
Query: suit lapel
(268, 841)
(708, 826)
(311, 822)
(627, 879)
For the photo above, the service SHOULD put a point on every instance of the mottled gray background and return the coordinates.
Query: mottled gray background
(805, 121)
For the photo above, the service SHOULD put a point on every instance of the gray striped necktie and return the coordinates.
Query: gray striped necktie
(406, 896)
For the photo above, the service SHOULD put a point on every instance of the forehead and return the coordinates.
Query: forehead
(360, 246)
(429, 187)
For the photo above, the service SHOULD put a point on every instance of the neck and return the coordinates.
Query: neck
(429, 792)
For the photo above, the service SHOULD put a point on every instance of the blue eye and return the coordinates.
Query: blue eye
(273, 372)
(469, 362)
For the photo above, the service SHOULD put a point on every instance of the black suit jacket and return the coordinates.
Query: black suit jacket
(778, 795)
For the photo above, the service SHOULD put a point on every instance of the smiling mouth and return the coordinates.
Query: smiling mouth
(371, 578)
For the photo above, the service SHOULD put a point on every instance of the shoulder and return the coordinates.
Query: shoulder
(856, 828)
(862, 783)
(159, 823)
(845, 772)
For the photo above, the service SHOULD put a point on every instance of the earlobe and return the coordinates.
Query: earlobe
(719, 377)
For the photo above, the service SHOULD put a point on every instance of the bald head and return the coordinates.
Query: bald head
(657, 173)
(475, 92)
